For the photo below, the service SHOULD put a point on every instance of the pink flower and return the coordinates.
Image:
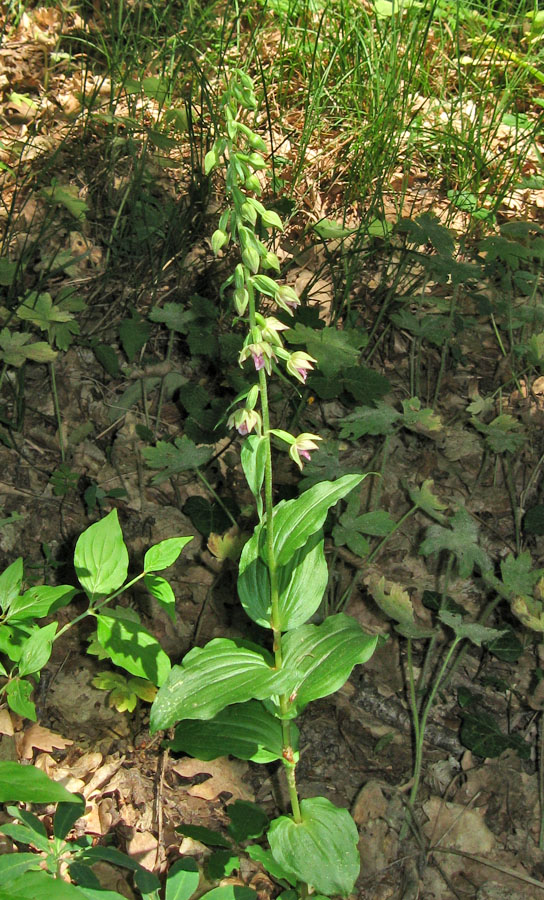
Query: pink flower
(301, 448)
(245, 420)
(262, 354)
(299, 364)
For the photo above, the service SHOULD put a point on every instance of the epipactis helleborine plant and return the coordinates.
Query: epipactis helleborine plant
(235, 696)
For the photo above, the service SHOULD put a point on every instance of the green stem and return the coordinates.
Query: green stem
(57, 410)
(215, 496)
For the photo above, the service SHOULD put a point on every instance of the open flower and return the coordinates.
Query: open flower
(287, 298)
(262, 354)
(271, 329)
(301, 447)
(299, 364)
(245, 420)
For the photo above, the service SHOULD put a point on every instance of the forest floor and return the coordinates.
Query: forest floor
(469, 399)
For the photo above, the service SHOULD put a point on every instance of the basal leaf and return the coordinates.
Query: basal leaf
(211, 678)
(321, 850)
(101, 558)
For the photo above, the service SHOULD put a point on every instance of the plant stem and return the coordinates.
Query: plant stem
(216, 496)
(57, 410)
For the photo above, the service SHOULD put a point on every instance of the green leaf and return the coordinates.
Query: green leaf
(134, 334)
(8, 271)
(506, 647)
(334, 350)
(67, 196)
(40, 601)
(253, 457)
(461, 539)
(129, 645)
(245, 730)
(26, 784)
(369, 420)
(11, 580)
(533, 520)
(366, 385)
(13, 865)
(518, 574)
(212, 677)
(321, 850)
(424, 499)
(101, 558)
(37, 649)
(222, 863)
(301, 583)
(417, 419)
(18, 694)
(67, 814)
(182, 881)
(230, 892)
(204, 835)
(328, 229)
(164, 554)
(393, 601)
(269, 864)
(208, 517)
(480, 732)
(161, 590)
(181, 456)
(296, 520)
(15, 349)
(42, 886)
(319, 658)
(472, 631)
(247, 820)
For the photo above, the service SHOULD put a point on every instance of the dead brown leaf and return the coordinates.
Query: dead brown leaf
(226, 775)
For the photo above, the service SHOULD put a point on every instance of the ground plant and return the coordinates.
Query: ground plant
(271, 276)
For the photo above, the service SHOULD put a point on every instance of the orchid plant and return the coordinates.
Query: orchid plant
(234, 696)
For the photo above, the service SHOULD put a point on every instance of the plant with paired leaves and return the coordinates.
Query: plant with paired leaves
(101, 565)
(233, 696)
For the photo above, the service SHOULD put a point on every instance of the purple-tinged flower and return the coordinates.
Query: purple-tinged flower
(271, 328)
(299, 364)
(262, 354)
(302, 446)
(245, 420)
(287, 298)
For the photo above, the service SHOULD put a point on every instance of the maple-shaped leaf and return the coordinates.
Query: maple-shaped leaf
(334, 350)
(181, 456)
(417, 419)
(503, 435)
(424, 499)
(378, 419)
(174, 316)
(426, 229)
(461, 539)
(472, 631)
(41, 311)
(15, 349)
(518, 574)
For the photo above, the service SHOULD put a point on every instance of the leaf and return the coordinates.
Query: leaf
(164, 554)
(480, 732)
(393, 601)
(370, 420)
(518, 574)
(66, 815)
(245, 730)
(129, 645)
(26, 784)
(228, 545)
(366, 385)
(507, 646)
(204, 835)
(161, 590)
(182, 881)
(472, 631)
(301, 583)
(417, 419)
(181, 456)
(40, 601)
(269, 864)
(334, 350)
(247, 820)
(296, 520)
(67, 196)
(15, 349)
(208, 517)
(230, 892)
(42, 886)
(212, 677)
(424, 499)
(222, 863)
(226, 776)
(11, 580)
(318, 659)
(253, 456)
(14, 864)
(101, 558)
(134, 334)
(461, 539)
(18, 694)
(37, 649)
(321, 850)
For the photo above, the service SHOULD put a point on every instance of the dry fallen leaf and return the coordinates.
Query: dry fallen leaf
(226, 775)
(37, 737)
(6, 724)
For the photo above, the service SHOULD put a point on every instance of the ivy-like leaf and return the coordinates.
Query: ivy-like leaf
(461, 539)
(181, 456)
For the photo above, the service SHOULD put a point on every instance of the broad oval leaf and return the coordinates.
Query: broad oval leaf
(37, 649)
(101, 558)
(162, 591)
(211, 678)
(40, 601)
(320, 658)
(164, 554)
(321, 850)
(245, 730)
(301, 583)
(129, 645)
(182, 881)
(296, 520)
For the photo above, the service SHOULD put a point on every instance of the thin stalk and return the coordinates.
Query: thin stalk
(57, 410)
(541, 778)
(216, 496)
